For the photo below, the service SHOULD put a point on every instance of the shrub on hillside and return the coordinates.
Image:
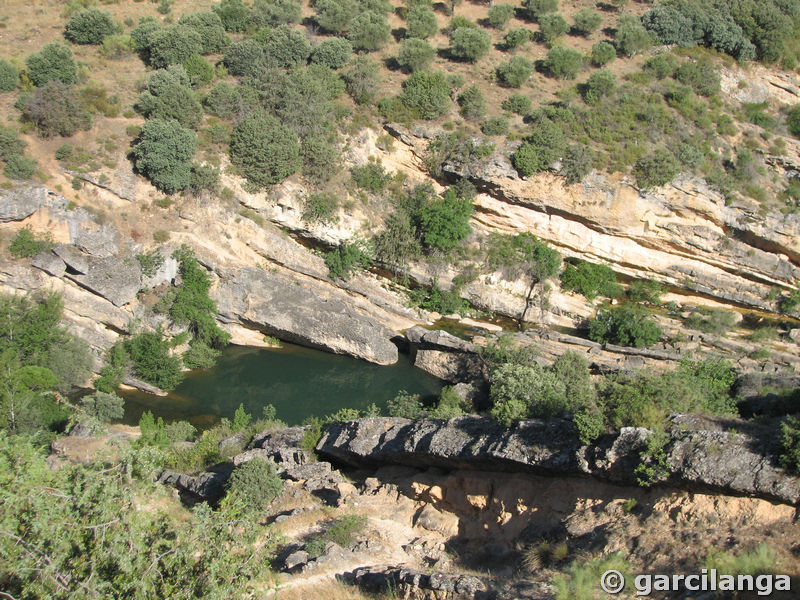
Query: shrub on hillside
(168, 97)
(26, 244)
(631, 37)
(515, 72)
(537, 8)
(369, 31)
(172, 45)
(53, 62)
(602, 54)
(599, 85)
(517, 37)
(274, 13)
(445, 221)
(164, 153)
(421, 23)
(265, 150)
(56, 109)
(285, 46)
(233, 14)
(9, 76)
(472, 103)
(332, 52)
(209, 26)
(89, 26)
(500, 14)
(656, 169)
(406, 405)
(552, 26)
(20, 166)
(519, 104)
(427, 93)
(587, 21)
(244, 57)
(563, 63)
(255, 484)
(591, 280)
(334, 16)
(495, 126)
(624, 326)
(577, 163)
(469, 43)
(103, 407)
(150, 357)
(545, 144)
(415, 54)
(362, 79)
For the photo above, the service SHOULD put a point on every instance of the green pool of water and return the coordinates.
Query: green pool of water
(298, 381)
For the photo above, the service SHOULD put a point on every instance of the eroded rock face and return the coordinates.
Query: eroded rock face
(116, 279)
(293, 312)
(702, 455)
(21, 201)
(419, 585)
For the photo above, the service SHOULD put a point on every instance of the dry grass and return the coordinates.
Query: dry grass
(327, 590)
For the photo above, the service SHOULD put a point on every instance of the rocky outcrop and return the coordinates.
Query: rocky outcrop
(21, 201)
(208, 486)
(420, 585)
(733, 457)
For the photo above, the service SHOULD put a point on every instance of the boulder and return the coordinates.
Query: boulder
(208, 486)
(296, 560)
(49, 263)
(115, 279)
(102, 243)
(412, 583)
(284, 446)
(22, 200)
(73, 257)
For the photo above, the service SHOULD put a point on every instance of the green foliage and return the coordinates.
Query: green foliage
(151, 360)
(759, 561)
(445, 221)
(53, 62)
(789, 303)
(320, 208)
(19, 167)
(369, 31)
(285, 46)
(341, 532)
(168, 97)
(495, 126)
(200, 71)
(577, 163)
(654, 467)
(514, 72)
(716, 321)
(233, 14)
(519, 104)
(362, 79)
(537, 8)
(469, 43)
(371, 177)
(793, 121)
(552, 26)
(241, 419)
(274, 13)
(172, 45)
(520, 392)
(579, 582)
(522, 255)
(428, 93)
(590, 280)
(599, 85)
(332, 52)
(55, 109)
(587, 21)
(563, 63)
(200, 355)
(26, 244)
(112, 373)
(89, 26)
(543, 146)
(255, 484)
(450, 405)
(9, 76)
(421, 23)
(103, 407)
(435, 299)
(631, 37)
(656, 169)
(98, 544)
(344, 259)
(405, 405)
(602, 54)
(624, 326)
(163, 154)
(265, 150)
(210, 28)
(790, 443)
(500, 14)
(117, 46)
(472, 103)
(516, 38)
(334, 16)
(244, 57)
(645, 290)
(700, 75)
(415, 54)
(504, 350)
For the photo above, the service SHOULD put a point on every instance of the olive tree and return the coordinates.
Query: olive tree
(369, 31)
(415, 54)
(333, 52)
(421, 23)
(469, 43)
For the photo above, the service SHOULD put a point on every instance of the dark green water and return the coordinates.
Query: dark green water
(298, 381)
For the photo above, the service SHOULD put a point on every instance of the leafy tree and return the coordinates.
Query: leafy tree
(168, 97)
(631, 37)
(26, 244)
(405, 405)
(602, 54)
(591, 280)
(517, 37)
(321, 157)
(445, 221)
(472, 103)
(255, 484)
(428, 93)
(140, 35)
(587, 21)
(104, 407)
(334, 16)
(56, 109)
(537, 8)
(563, 63)
(343, 260)
(53, 62)
(320, 208)
(89, 26)
(515, 72)
(362, 79)
(545, 144)
(209, 26)
(552, 26)
(469, 43)
(233, 14)
(599, 85)
(398, 242)
(662, 65)
(790, 442)
(520, 392)
(172, 45)
(241, 418)
(572, 369)
(415, 54)
(656, 169)
(285, 46)
(163, 154)
(71, 363)
(151, 360)
(625, 326)
(274, 13)
(421, 23)
(645, 290)
(369, 31)
(700, 75)
(244, 57)
(264, 150)
(9, 76)
(519, 104)
(10, 144)
(500, 14)
(199, 70)
(577, 163)
(332, 52)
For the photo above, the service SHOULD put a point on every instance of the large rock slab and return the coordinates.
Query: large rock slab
(21, 201)
(304, 313)
(115, 279)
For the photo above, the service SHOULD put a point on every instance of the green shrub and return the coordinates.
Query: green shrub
(435, 299)
(405, 405)
(371, 177)
(421, 23)
(624, 326)
(793, 121)
(169, 98)
(210, 28)
(500, 14)
(504, 350)
(163, 154)
(472, 103)
(204, 178)
(495, 126)
(285, 46)
(536, 8)
(53, 62)
(577, 163)
(645, 290)
(341, 532)
(600, 84)
(700, 75)
(255, 483)
(631, 37)
(334, 16)
(244, 57)
(342, 261)
(274, 13)
(587, 21)
(369, 31)
(151, 360)
(468, 43)
(563, 63)
(662, 65)
(320, 208)
(428, 93)
(520, 392)
(449, 405)
(264, 150)
(415, 54)
(519, 104)
(591, 280)
(117, 46)
(602, 54)
(199, 70)
(543, 146)
(9, 76)
(89, 26)
(716, 321)
(445, 221)
(26, 244)
(103, 407)
(19, 166)
(172, 45)
(332, 52)
(10, 144)
(790, 442)
(515, 72)
(362, 79)
(552, 26)
(656, 169)
(140, 35)
(516, 38)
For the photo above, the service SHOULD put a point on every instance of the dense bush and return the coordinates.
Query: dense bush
(169, 97)
(19, 166)
(445, 221)
(536, 8)
(285, 46)
(244, 57)
(103, 407)
(56, 109)
(517, 37)
(233, 14)
(371, 177)
(210, 28)
(341, 533)
(587, 21)
(522, 255)
(369, 31)
(172, 45)
(265, 150)
(472, 103)
(421, 23)
(345, 259)
(700, 75)
(427, 93)
(625, 326)
(332, 52)
(790, 442)
(141, 34)
(334, 16)
(89, 26)
(9, 76)
(469, 43)
(320, 208)
(662, 65)
(590, 280)
(599, 85)
(545, 144)
(117, 46)
(656, 169)
(151, 360)
(645, 290)
(563, 63)
(415, 54)
(274, 13)
(519, 104)
(26, 244)
(255, 483)
(10, 144)
(602, 54)
(200, 71)
(495, 126)
(577, 163)
(362, 79)
(406, 405)
(163, 154)
(631, 37)
(500, 14)
(793, 121)
(552, 26)
(520, 392)
(53, 62)
(515, 72)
